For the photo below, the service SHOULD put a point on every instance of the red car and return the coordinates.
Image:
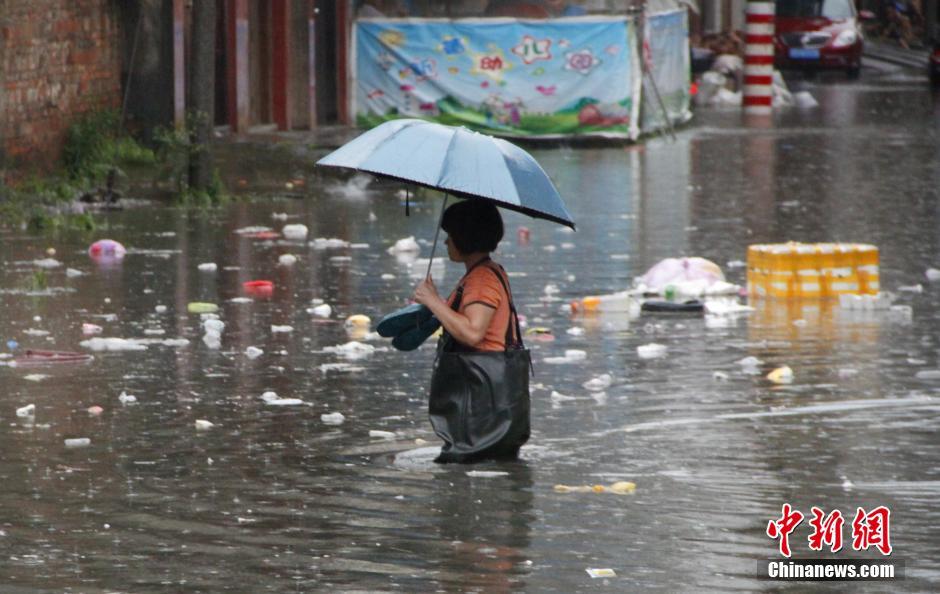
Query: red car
(818, 34)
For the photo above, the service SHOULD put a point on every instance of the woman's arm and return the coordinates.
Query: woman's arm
(467, 328)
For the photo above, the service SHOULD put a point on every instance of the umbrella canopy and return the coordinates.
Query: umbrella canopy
(456, 160)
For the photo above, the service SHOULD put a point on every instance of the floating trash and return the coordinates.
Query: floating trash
(33, 357)
(281, 329)
(333, 418)
(26, 411)
(258, 288)
(382, 434)
(295, 232)
(287, 259)
(204, 425)
(321, 311)
(781, 375)
(47, 263)
(598, 383)
(201, 307)
(253, 352)
(405, 245)
(95, 410)
(107, 248)
(651, 351)
(571, 356)
(207, 267)
(618, 488)
(78, 442)
(351, 350)
(126, 398)
(272, 399)
(600, 572)
(323, 243)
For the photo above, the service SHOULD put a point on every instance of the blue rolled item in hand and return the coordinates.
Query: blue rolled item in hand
(409, 326)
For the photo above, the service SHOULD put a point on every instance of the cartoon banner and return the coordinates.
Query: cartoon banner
(502, 76)
(666, 51)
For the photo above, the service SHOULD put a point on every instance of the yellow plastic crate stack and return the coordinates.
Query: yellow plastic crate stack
(812, 270)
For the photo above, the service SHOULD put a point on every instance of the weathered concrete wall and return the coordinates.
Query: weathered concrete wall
(58, 60)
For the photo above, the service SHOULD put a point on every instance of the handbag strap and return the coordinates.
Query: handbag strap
(513, 315)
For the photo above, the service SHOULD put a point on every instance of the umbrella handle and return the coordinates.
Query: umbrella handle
(437, 232)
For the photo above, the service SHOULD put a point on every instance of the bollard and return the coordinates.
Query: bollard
(759, 58)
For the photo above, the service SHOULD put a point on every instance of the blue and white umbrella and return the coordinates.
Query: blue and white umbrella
(457, 161)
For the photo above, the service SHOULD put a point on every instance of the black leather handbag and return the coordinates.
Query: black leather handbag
(479, 400)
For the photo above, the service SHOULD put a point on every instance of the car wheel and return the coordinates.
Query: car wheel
(853, 72)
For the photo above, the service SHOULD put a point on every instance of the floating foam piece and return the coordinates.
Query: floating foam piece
(281, 329)
(559, 397)
(253, 352)
(47, 263)
(598, 383)
(287, 259)
(203, 425)
(113, 344)
(208, 267)
(651, 351)
(486, 473)
(26, 411)
(95, 410)
(323, 243)
(295, 231)
(932, 274)
(271, 398)
(749, 362)
(213, 326)
(382, 434)
(126, 398)
(160, 309)
(405, 245)
(600, 572)
(73, 273)
(335, 418)
(352, 350)
(78, 442)
(781, 375)
(575, 331)
(321, 311)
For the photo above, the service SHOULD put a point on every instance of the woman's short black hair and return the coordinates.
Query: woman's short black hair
(473, 226)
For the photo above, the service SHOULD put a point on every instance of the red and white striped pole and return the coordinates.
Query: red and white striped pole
(759, 57)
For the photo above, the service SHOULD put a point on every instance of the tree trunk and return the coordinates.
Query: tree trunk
(202, 94)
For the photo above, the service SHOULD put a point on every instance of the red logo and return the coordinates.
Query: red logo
(871, 529)
(826, 531)
(782, 528)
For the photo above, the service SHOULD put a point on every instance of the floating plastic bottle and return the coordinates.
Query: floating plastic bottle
(614, 302)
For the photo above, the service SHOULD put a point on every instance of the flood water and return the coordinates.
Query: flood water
(273, 499)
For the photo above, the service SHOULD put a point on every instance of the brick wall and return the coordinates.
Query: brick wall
(58, 60)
